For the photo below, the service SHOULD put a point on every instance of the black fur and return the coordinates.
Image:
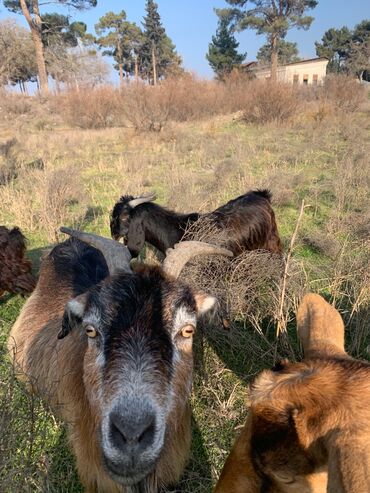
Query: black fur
(249, 220)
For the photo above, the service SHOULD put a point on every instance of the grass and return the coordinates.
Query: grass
(192, 165)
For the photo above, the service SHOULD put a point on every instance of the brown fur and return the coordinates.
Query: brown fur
(308, 425)
(58, 372)
(15, 269)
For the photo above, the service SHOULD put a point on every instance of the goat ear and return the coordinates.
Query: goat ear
(320, 327)
(136, 236)
(73, 314)
(204, 302)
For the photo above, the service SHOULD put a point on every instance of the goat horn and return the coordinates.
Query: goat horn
(178, 256)
(149, 197)
(116, 255)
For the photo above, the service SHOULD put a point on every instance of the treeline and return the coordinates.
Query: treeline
(55, 48)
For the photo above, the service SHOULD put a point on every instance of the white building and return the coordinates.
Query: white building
(312, 71)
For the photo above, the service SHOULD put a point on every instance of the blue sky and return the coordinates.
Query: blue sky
(191, 24)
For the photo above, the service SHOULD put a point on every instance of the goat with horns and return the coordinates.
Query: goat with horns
(249, 221)
(110, 350)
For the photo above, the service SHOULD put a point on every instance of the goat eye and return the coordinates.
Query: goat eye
(91, 331)
(188, 330)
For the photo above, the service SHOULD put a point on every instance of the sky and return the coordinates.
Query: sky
(191, 24)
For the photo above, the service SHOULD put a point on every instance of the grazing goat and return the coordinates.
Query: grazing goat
(248, 219)
(15, 268)
(308, 428)
(110, 350)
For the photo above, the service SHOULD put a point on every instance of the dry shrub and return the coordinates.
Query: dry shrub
(15, 104)
(248, 286)
(146, 108)
(271, 102)
(43, 200)
(343, 92)
(90, 108)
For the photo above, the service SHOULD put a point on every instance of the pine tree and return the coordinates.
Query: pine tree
(158, 54)
(222, 52)
(287, 53)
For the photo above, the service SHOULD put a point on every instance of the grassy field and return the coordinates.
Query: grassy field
(58, 175)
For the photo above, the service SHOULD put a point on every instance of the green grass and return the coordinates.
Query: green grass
(194, 166)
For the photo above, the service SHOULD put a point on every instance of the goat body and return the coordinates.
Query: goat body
(15, 269)
(110, 355)
(308, 426)
(248, 220)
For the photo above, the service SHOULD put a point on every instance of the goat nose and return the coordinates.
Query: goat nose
(132, 433)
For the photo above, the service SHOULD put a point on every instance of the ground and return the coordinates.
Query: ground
(70, 176)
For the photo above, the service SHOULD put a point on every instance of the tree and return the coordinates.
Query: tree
(31, 11)
(287, 52)
(335, 45)
(17, 55)
(122, 40)
(358, 59)
(273, 18)
(158, 53)
(223, 53)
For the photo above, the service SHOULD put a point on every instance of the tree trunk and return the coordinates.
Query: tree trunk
(136, 69)
(274, 57)
(154, 64)
(120, 68)
(35, 27)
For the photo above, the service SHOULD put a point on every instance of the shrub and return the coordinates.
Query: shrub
(271, 102)
(90, 108)
(344, 92)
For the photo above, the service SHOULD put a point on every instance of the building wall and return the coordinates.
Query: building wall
(313, 72)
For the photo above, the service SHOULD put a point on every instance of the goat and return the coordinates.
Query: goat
(15, 269)
(308, 426)
(248, 219)
(110, 350)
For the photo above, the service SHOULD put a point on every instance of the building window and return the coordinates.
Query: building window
(305, 79)
(315, 79)
(295, 79)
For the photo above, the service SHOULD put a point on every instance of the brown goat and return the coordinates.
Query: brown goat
(111, 351)
(308, 428)
(15, 269)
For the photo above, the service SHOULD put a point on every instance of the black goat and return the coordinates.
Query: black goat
(249, 221)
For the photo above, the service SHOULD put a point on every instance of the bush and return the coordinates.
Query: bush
(271, 102)
(90, 108)
(344, 92)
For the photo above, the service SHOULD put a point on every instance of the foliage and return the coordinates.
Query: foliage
(17, 54)
(287, 52)
(271, 18)
(222, 53)
(334, 46)
(348, 51)
(121, 39)
(158, 54)
(41, 32)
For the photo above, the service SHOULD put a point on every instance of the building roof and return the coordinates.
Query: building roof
(254, 65)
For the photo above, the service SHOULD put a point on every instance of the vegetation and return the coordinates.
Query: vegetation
(17, 61)
(274, 19)
(348, 51)
(287, 52)
(122, 40)
(223, 54)
(32, 14)
(214, 143)
(157, 53)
